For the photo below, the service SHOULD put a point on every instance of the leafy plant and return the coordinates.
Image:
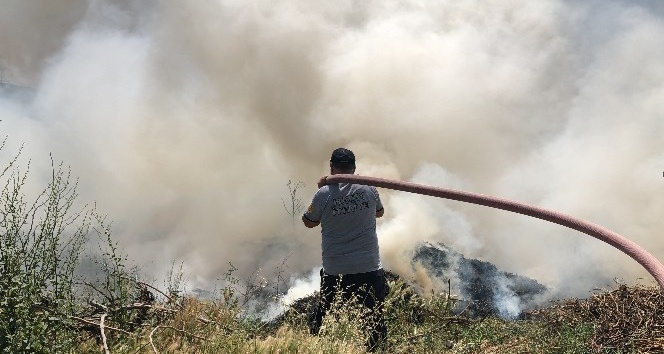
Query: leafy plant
(40, 245)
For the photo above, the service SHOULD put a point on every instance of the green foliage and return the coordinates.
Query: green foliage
(45, 303)
(114, 285)
(40, 244)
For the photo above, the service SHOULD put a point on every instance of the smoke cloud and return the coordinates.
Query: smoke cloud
(185, 120)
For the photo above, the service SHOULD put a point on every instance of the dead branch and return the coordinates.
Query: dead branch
(98, 306)
(103, 335)
(154, 349)
(83, 320)
(93, 287)
(205, 320)
(142, 306)
(170, 299)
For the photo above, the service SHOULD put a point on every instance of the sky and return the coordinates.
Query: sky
(185, 121)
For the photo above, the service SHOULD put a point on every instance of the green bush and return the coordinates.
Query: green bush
(40, 245)
(46, 305)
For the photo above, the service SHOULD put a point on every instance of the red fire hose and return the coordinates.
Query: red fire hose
(648, 261)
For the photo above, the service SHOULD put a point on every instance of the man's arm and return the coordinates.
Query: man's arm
(379, 205)
(308, 223)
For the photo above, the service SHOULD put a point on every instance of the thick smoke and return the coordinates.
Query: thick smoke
(186, 120)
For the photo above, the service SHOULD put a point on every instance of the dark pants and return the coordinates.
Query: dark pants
(369, 289)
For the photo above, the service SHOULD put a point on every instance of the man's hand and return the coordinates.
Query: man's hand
(308, 223)
(322, 182)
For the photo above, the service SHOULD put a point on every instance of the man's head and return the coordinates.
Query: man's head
(342, 161)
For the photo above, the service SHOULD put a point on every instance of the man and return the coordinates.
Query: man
(351, 264)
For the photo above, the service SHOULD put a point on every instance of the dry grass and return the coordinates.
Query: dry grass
(625, 320)
(628, 319)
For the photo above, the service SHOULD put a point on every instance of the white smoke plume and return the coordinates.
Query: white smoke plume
(185, 121)
(507, 302)
(301, 288)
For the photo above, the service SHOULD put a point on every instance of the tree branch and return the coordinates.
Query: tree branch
(154, 349)
(97, 324)
(103, 335)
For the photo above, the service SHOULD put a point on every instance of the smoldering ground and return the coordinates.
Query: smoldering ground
(185, 121)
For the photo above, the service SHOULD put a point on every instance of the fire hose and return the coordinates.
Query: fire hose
(643, 257)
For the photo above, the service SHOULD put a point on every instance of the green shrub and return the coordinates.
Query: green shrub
(40, 245)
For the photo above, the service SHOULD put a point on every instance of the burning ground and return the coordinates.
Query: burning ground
(621, 319)
(484, 289)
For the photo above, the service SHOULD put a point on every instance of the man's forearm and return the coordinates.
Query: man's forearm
(308, 223)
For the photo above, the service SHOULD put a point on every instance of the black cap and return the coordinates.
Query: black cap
(342, 156)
